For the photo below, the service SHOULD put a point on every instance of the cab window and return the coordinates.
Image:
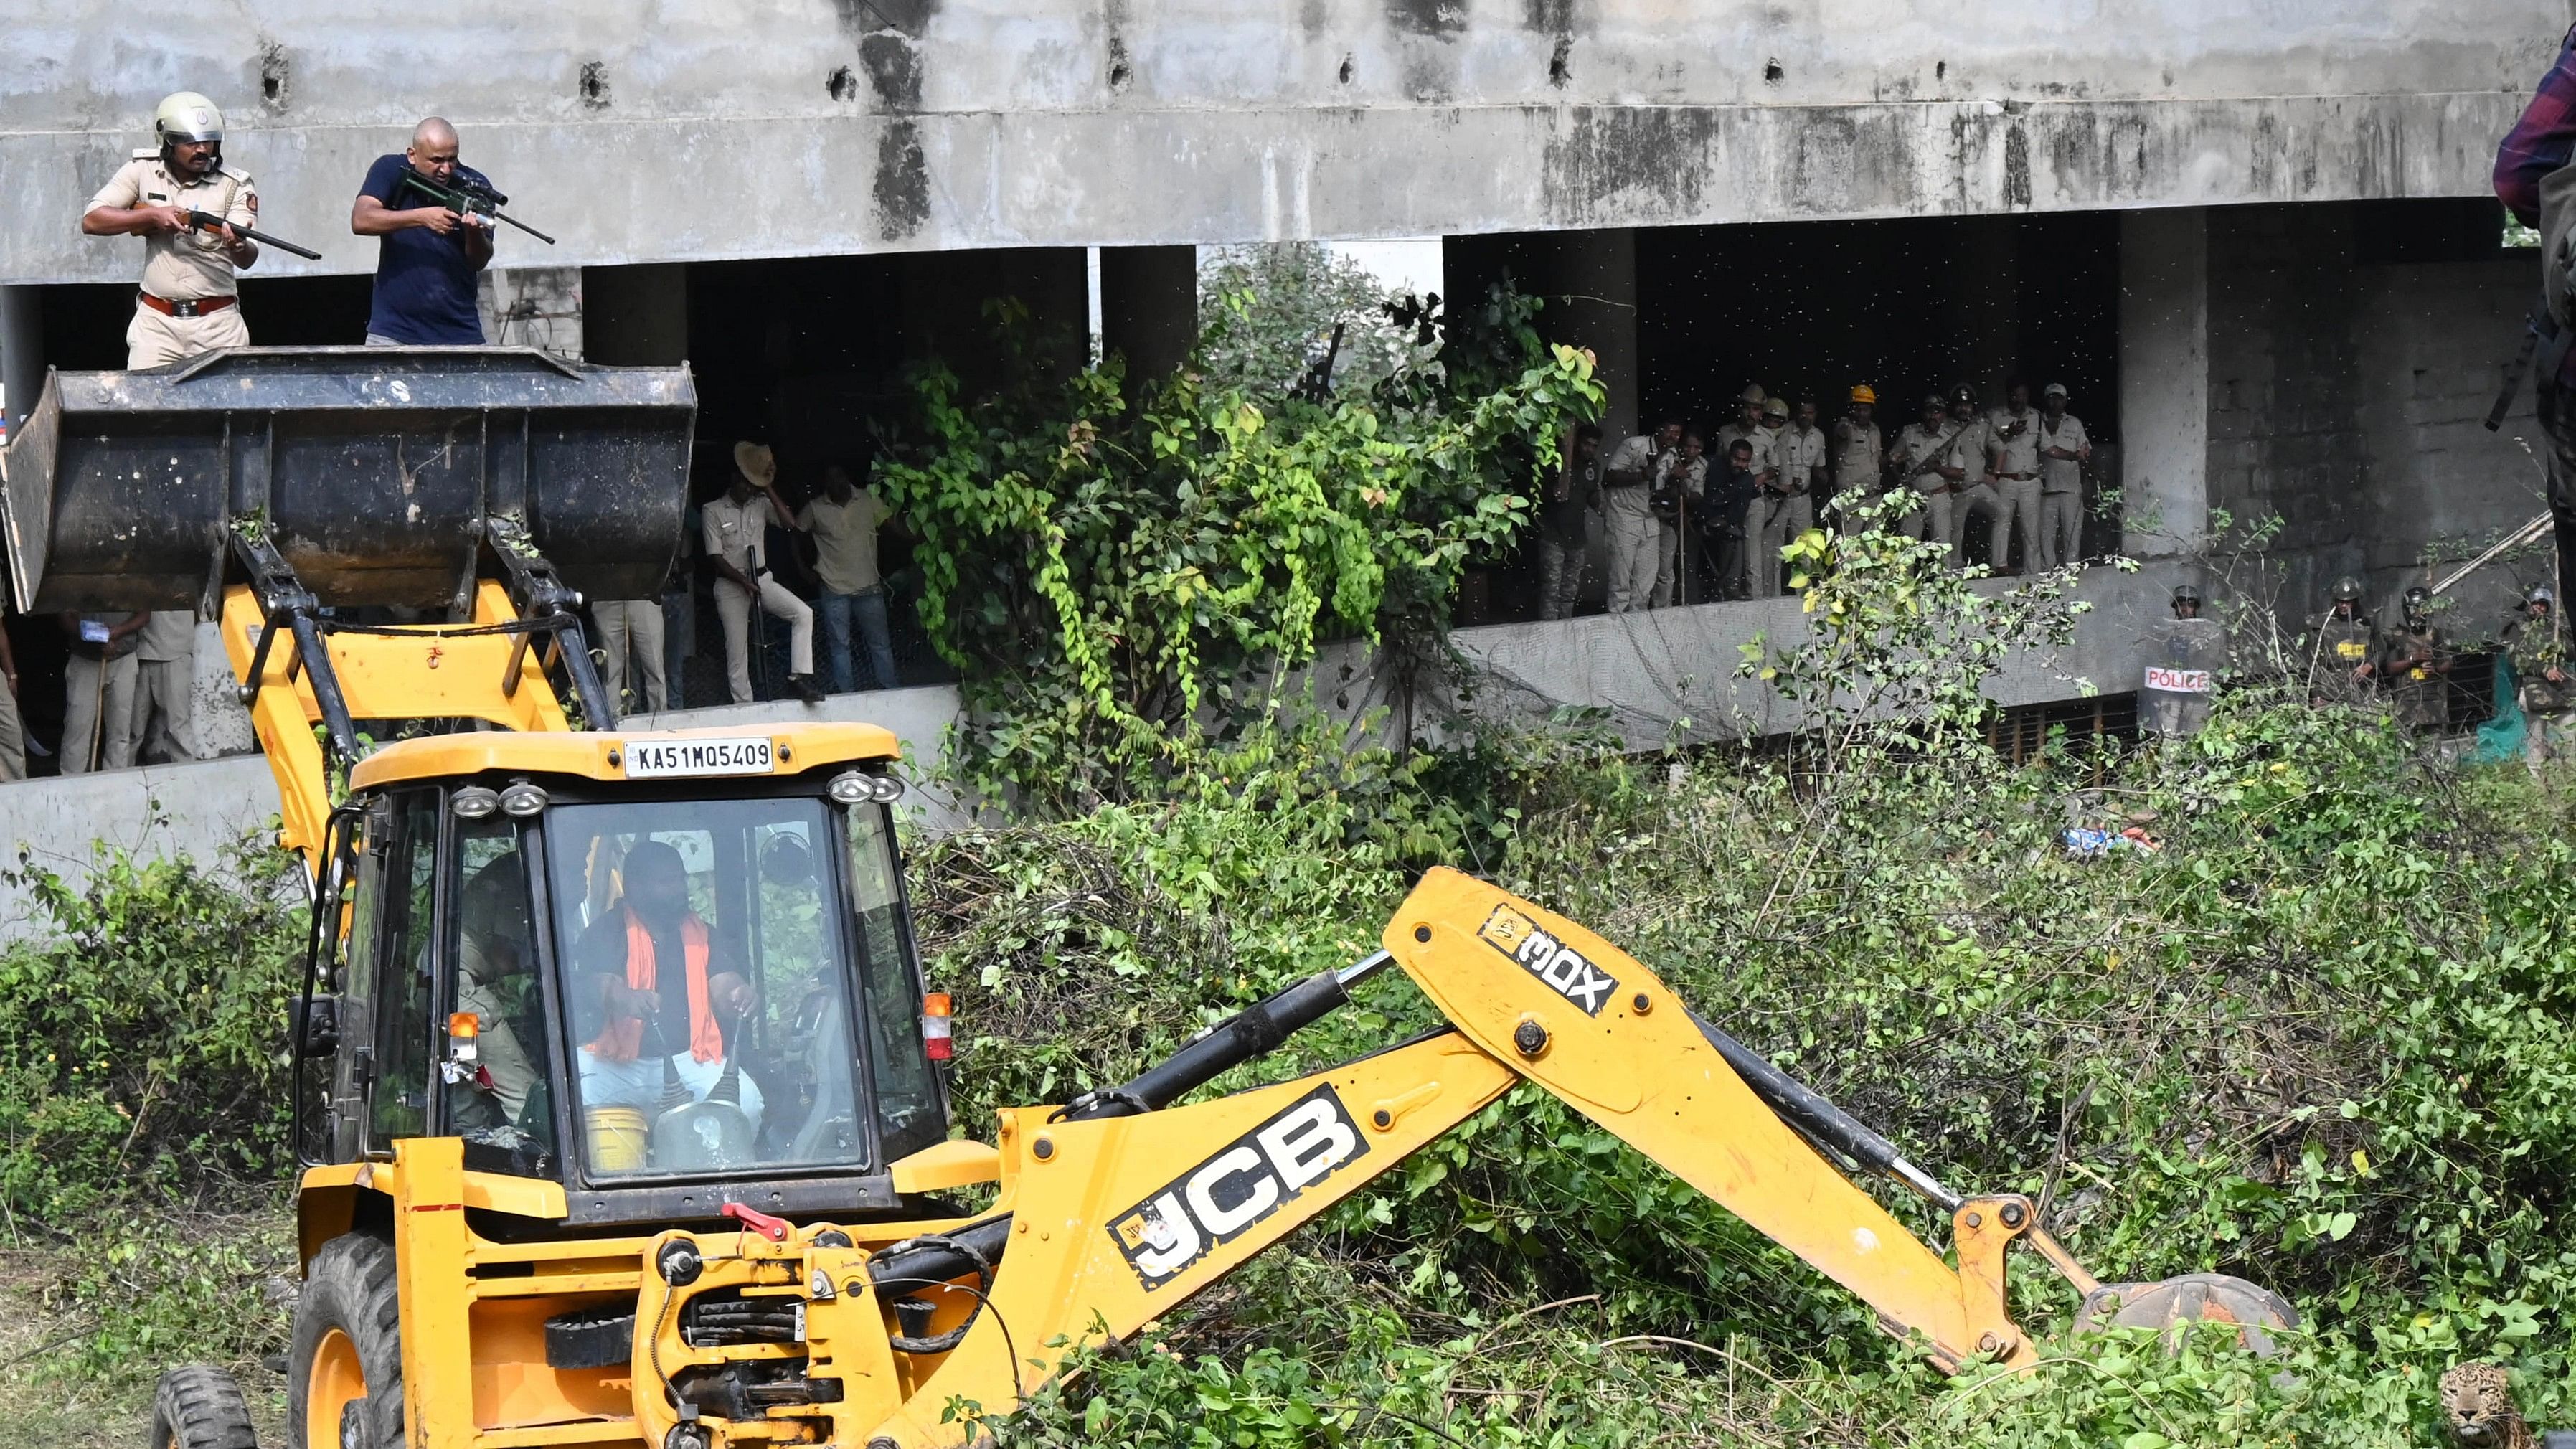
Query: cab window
(404, 998)
(705, 986)
(499, 1097)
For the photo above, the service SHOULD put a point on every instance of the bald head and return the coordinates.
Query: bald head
(433, 149)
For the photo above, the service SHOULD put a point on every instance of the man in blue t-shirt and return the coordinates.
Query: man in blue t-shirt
(425, 268)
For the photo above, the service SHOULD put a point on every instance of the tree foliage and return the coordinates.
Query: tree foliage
(1268, 312)
(1123, 575)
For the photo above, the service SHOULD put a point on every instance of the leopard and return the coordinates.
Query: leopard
(2477, 1404)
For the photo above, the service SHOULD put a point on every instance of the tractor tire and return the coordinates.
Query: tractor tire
(344, 1387)
(197, 1407)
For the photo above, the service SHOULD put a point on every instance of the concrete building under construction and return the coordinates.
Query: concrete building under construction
(2260, 250)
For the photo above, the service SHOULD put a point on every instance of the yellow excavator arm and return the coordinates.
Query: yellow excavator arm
(1115, 1209)
(1116, 1221)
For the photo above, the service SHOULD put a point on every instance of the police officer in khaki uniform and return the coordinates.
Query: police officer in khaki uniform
(2063, 449)
(1747, 428)
(1929, 459)
(2012, 443)
(1856, 450)
(189, 302)
(1976, 491)
(165, 686)
(1789, 508)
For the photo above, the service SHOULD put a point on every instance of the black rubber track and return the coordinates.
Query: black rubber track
(197, 1407)
(350, 1287)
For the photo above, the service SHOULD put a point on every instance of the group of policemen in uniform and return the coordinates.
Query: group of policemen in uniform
(129, 681)
(2351, 660)
(1749, 497)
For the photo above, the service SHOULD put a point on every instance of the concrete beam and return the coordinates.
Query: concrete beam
(619, 188)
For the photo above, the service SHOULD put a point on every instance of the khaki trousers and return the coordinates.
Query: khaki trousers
(164, 729)
(1965, 505)
(1636, 546)
(2061, 528)
(733, 606)
(98, 714)
(632, 626)
(1930, 523)
(13, 736)
(1783, 519)
(2016, 514)
(154, 338)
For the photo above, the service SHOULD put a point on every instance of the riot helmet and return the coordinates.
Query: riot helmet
(2186, 597)
(2542, 595)
(186, 116)
(2419, 602)
(2347, 590)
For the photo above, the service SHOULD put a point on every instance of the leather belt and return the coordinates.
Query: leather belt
(2017, 477)
(195, 307)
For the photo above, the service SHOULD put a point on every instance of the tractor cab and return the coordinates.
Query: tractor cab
(668, 971)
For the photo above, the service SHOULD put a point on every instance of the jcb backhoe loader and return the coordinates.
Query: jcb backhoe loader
(622, 1110)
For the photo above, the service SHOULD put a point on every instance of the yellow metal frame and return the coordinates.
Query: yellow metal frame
(421, 672)
(1116, 1221)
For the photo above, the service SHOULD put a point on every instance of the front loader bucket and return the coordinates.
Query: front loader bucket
(2169, 1303)
(371, 469)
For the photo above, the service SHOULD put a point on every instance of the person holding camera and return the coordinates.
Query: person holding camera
(1628, 483)
(1676, 503)
(428, 255)
(736, 530)
(1733, 488)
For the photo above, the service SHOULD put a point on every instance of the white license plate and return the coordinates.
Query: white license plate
(673, 759)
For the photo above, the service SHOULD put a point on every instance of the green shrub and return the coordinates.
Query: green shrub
(141, 1036)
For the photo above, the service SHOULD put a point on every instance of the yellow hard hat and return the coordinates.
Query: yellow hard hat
(186, 116)
(1776, 407)
(1864, 393)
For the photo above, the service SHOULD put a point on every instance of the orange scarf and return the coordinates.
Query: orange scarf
(623, 1039)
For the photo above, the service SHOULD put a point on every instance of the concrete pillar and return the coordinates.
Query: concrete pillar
(1592, 302)
(1149, 307)
(22, 349)
(2164, 380)
(1982, 303)
(636, 316)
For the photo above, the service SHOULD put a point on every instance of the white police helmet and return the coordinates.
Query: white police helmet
(187, 116)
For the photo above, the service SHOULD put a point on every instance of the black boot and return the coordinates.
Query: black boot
(802, 686)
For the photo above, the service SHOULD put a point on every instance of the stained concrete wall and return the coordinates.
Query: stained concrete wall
(2351, 365)
(750, 128)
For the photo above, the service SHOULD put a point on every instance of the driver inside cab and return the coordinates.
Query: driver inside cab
(660, 999)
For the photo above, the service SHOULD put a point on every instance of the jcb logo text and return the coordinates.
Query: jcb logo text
(1222, 1198)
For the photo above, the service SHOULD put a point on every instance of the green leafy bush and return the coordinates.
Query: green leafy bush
(140, 1035)
(1123, 576)
(2318, 1039)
